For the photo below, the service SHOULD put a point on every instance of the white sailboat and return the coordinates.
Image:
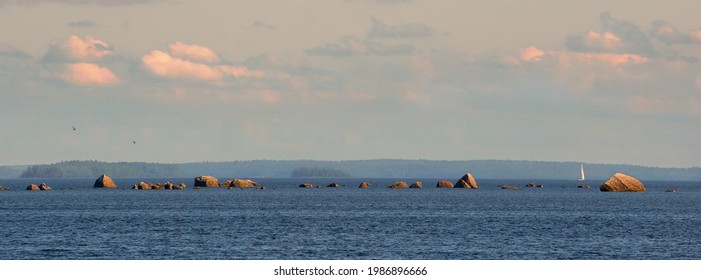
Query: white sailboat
(581, 176)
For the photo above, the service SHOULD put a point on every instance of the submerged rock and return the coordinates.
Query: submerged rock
(671, 190)
(399, 185)
(206, 181)
(514, 188)
(444, 184)
(620, 182)
(306, 185)
(583, 186)
(467, 181)
(104, 181)
(333, 185)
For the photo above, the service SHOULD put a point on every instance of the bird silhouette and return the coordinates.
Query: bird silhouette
(74, 128)
(133, 141)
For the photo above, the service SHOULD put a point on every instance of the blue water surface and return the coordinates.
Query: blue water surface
(75, 221)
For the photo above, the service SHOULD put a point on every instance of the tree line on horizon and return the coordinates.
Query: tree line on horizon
(487, 169)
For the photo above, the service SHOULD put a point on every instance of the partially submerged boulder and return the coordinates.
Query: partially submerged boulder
(514, 188)
(444, 184)
(306, 185)
(416, 185)
(467, 181)
(242, 183)
(41, 187)
(620, 182)
(399, 185)
(364, 185)
(104, 181)
(206, 181)
(333, 185)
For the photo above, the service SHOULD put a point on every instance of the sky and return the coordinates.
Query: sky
(190, 81)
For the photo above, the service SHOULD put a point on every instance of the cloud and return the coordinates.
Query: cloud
(88, 74)
(633, 39)
(666, 33)
(82, 24)
(77, 49)
(594, 42)
(261, 25)
(193, 52)
(10, 52)
(354, 46)
(408, 30)
(192, 62)
(532, 54)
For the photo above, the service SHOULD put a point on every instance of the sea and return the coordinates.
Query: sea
(75, 221)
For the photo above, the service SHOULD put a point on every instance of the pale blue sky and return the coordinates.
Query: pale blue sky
(591, 81)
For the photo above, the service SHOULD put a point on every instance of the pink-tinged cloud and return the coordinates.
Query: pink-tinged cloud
(88, 74)
(532, 54)
(606, 40)
(239, 72)
(164, 65)
(169, 65)
(77, 49)
(612, 59)
(193, 52)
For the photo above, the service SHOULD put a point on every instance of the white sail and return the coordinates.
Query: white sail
(581, 176)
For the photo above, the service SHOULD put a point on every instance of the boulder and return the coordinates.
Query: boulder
(444, 184)
(333, 185)
(667, 190)
(306, 185)
(168, 186)
(44, 187)
(2, 188)
(206, 181)
(583, 186)
(364, 185)
(181, 186)
(467, 181)
(32, 187)
(510, 188)
(399, 185)
(104, 181)
(143, 186)
(242, 183)
(416, 185)
(226, 183)
(620, 182)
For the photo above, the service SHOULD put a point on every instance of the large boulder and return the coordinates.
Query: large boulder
(399, 185)
(620, 182)
(467, 181)
(206, 181)
(416, 185)
(104, 181)
(143, 186)
(242, 183)
(444, 184)
(364, 185)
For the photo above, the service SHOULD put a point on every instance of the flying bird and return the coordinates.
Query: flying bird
(74, 128)
(133, 141)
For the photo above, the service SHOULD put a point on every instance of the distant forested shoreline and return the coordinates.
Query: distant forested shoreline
(383, 168)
